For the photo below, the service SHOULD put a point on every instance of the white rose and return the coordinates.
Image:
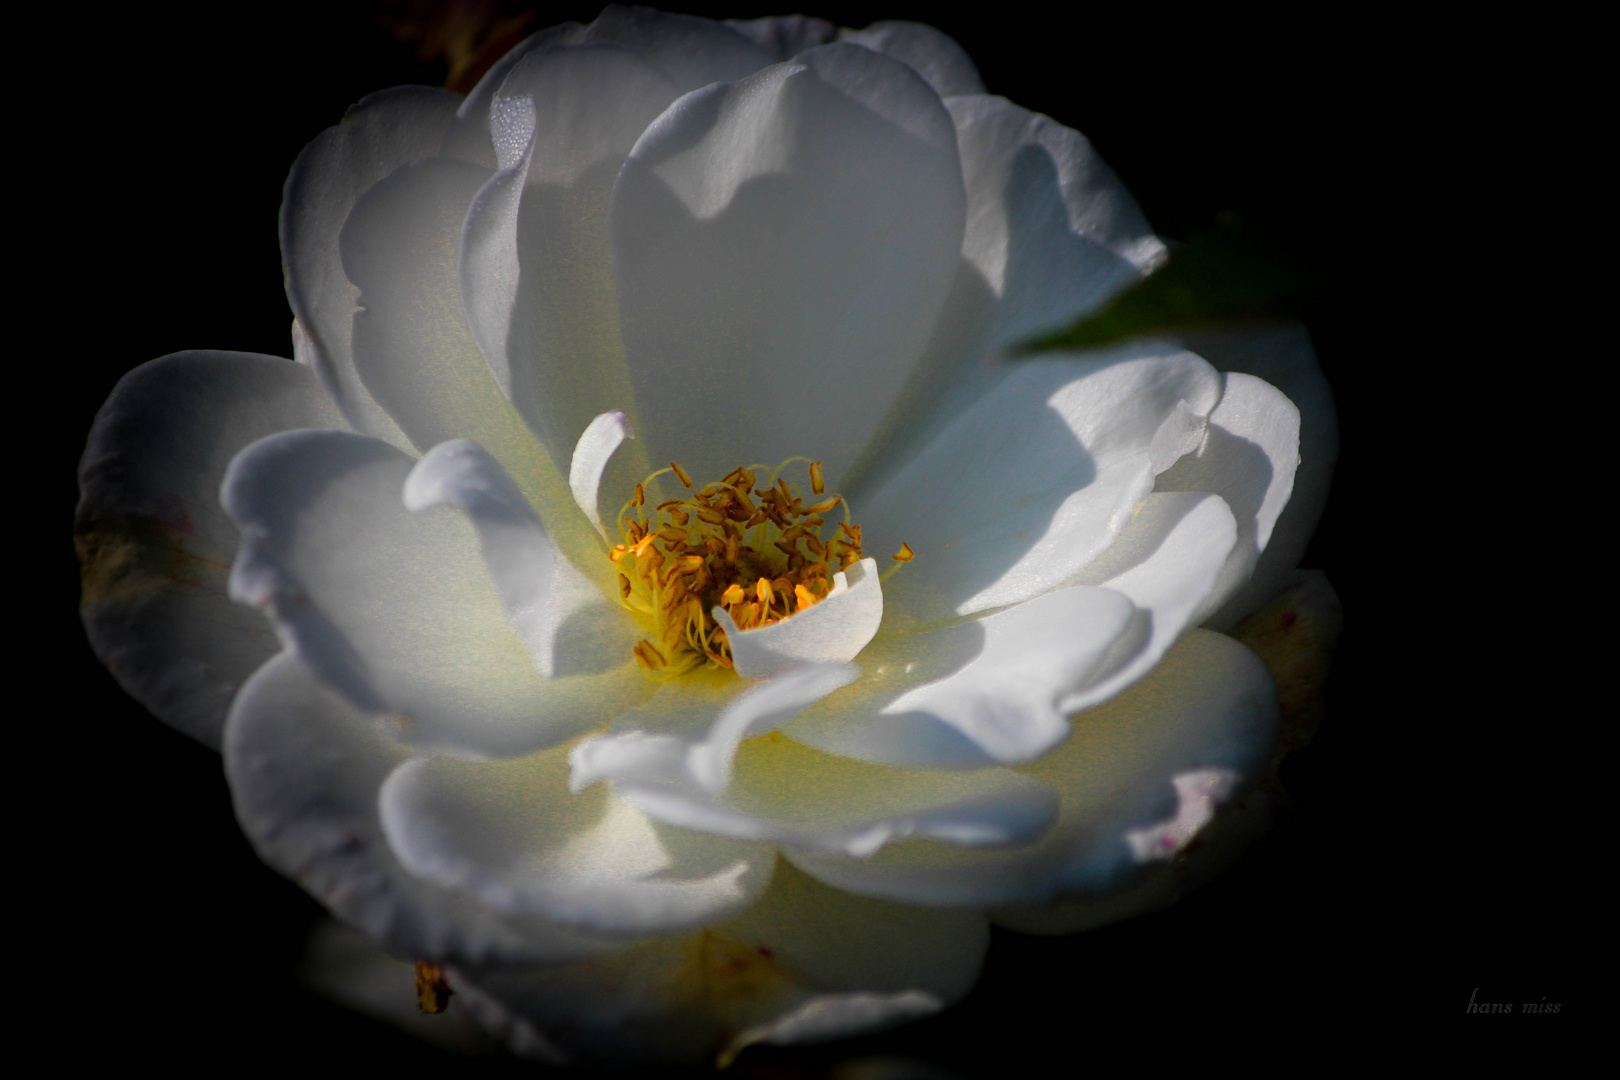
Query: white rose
(647, 808)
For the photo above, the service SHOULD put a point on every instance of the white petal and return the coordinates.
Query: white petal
(1167, 560)
(393, 609)
(383, 132)
(1004, 700)
(690, 50)
(1209, 705)
(805, 962)
(469, 138)
(1247, 458)
(1051, 234)
(536, 269)
(304, 768)
(153, 543)
(998, 688)
(1036, 479)
(568, 626)
(830, 632)
(595, 448)
(782, 247)
(785, 36)
(512, 834)
(672, 739)
(1023, 160)
(930, 53)
(1284, 358)
(412, 344)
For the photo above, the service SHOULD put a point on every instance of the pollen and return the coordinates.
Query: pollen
(745, 543)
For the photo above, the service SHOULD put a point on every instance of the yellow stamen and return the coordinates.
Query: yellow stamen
(905, 554)
(757, 552)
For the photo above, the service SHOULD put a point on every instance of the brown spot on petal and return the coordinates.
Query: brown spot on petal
(1294, 636)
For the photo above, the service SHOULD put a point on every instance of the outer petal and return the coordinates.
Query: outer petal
(691, 51)
(567, 625)
(933, 55)
(394, 609)
(998, 688)
(785, 36)
(1051, 234)
(1283, 357)
(830, 632)
(805, 963)
(536, 269)
(154, 546)
(412, 345)
(779, 243)
(383, 132)
(1209, 708)
(1036, 479)
(304, 768)
(511, 834)
(1248, 457)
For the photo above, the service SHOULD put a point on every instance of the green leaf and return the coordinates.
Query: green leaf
(1230, 274)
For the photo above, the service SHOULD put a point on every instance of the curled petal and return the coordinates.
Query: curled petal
(831, 631)
(1248, 458)
(1036, 478)
(596, 445)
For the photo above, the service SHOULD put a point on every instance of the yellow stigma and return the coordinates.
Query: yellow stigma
(756, 552)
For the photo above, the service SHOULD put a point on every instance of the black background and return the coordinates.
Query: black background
(1433, 849)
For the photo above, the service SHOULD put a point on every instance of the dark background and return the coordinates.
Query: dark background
(1433, 850)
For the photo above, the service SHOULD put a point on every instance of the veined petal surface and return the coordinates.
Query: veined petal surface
(782, 247)
(395, 609)
(154, 545)
(1208, 705)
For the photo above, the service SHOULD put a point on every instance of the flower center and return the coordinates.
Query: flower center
(758, 553)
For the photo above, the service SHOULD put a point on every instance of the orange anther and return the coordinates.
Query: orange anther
(680, 474)
(905, 554)
(817, 484)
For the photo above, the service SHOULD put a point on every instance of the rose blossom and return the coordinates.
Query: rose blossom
(641, 810)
